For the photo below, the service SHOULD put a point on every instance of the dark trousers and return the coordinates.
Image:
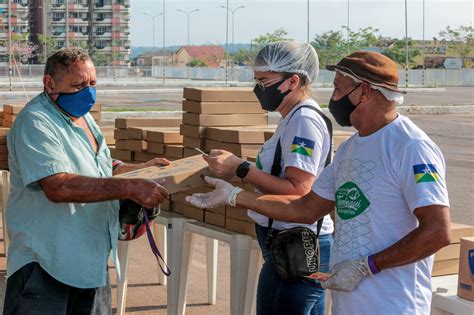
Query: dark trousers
(276, 296)
(31, 290)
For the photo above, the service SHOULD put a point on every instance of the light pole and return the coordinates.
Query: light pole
(307, 24)
(233, 24)
(164, 38)
(188, 13)
(153, 17)
(423, 45)
(406, 44)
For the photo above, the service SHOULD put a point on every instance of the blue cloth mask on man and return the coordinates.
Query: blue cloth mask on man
(79, 103)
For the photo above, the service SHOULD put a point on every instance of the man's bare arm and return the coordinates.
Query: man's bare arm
(432, 234)
(81, 189)
(299, 209)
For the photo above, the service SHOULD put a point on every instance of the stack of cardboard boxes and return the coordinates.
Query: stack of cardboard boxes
(96, 112)
(9, 114)
(3, 148)
(447, 259)
(217, 107)
(133, 135)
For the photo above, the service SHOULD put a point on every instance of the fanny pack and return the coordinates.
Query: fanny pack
(295, 251)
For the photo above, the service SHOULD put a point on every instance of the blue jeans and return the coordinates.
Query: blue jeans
(277, 296)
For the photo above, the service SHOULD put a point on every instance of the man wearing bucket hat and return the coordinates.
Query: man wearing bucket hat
(388, 186)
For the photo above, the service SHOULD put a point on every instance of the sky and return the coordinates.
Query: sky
(208, 25)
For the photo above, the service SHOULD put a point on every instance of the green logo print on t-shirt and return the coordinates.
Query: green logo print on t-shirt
(350, 201)
(258, 163)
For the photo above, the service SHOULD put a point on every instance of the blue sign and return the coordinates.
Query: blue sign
(470, 257)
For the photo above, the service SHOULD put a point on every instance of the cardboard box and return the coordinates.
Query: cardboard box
(96, 108)
(179, 197)
(3, 148)
(449, 252)
(96, 115)
(4, 156)
(157, 148)
(466, 269)
(203, 189)
(445, 267)
(136, 145)
(4, 165)
(124, 123)
(109, 138)
(222, 107)
(254, 134)
(188, 152)
(224, 120)
(181, 175)
(121, 134)
(240, 227)
(9, 118)
(214, 218)
(192, 143)
(165, 205)
(168, 136)
(191, 212)
(144, 156)
(122, 155)
(12, 109)
(460, 230)
(242, 150)
(173, 151)
(176, 207)
(192, 131)
(137, 133)
(238, 214)
(220, 94)
(121, 144)
(4, 131)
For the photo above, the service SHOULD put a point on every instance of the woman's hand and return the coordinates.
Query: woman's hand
(222, 163)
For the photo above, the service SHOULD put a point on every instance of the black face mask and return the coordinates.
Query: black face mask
(342, 109)
(270, 97)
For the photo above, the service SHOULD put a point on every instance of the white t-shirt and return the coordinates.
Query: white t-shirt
(305, 142)
(377, 182)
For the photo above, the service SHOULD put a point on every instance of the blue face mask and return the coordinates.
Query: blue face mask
(79, 103)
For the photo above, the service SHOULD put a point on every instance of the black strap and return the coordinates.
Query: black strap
(276, 166)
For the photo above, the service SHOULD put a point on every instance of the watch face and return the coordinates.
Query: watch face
(243, 169)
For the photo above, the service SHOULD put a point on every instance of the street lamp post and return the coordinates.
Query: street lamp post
(153, 17)
(307, 21)
(164, 39)
(188, 13)
(406, 44)
(423, 46)
(233, 21)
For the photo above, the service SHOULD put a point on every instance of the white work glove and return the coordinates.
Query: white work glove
(224, 194)
(347, 274)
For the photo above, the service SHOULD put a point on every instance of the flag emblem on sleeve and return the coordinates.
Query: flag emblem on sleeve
(425, 173)
(302, 146)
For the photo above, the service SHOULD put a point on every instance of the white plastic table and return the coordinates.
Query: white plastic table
(445, 300)
(245, 260)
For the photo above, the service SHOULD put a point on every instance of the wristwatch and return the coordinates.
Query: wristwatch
(242, 169)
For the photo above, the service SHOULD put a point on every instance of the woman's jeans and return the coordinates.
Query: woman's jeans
(277, 296)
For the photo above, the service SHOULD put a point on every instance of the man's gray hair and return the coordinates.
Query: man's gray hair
(59, 61)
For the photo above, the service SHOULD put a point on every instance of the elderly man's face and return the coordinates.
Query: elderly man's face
(342, 86)
(78, 76)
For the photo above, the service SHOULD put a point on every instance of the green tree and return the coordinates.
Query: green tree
(396, 51)
(363, 38)
(22, 48)
(460, 40)
(100, 59)
(47, 46)
(330, 46)
(196, 63)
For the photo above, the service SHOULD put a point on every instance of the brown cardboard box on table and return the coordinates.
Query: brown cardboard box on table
(181, 175)
(155, 147)
(222, 107)
(122, 155)
(121, 134)
(12, 109)
(247, 135)
(214, 218)
(124, 123)
(242, 227)
(446, 260)
(192, 131)
(209, 120)
(242, 150)
(466, 269)
(217, 94)
(165, 135)
(190, 142)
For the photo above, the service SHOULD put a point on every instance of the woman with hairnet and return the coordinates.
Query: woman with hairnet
(283, 72)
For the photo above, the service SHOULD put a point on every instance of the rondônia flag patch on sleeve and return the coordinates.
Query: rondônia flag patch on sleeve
(425, 173)
(302, 146)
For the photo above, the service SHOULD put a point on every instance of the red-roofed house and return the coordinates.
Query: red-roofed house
(211, 55)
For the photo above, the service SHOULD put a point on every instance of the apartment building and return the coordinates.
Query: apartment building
(18, 19)
(101, 26)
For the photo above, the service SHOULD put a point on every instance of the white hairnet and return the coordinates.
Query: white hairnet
(290, 57)
(388, 94)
